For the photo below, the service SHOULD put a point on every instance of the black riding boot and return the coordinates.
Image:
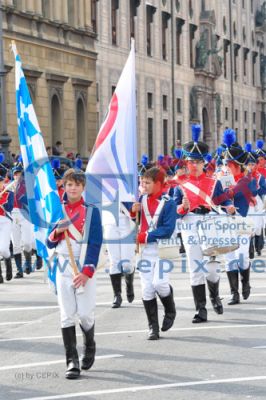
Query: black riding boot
(245, 273)
(89, 348)
(18, 261)
(1, 276)
(233, 282)
(169, 310)
(116, 283)
(27, 255)
(151, 309)
(214, 296)
(8, 264)
(72, 359)
(199, 294)
(129, 278)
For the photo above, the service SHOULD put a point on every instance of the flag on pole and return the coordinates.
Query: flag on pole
(43, 200)
(115, 150)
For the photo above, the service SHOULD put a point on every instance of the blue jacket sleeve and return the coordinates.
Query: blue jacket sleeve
(9, 204)
(220, 196)
(95, 239)
(262, 186)
(166, 223)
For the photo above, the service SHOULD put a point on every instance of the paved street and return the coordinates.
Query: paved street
(222, 359)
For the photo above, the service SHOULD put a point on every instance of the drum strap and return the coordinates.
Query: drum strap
(199, 192)
(152, 221)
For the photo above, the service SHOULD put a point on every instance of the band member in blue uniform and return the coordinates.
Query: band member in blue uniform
(243, 194)
(157, 221)
(84, 228)
(194, 198)
(6, 206)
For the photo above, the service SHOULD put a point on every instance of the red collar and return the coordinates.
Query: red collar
(156, 196)
(196, 178)
(76, 204)
(239, 176)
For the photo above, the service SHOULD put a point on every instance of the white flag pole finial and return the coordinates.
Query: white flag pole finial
(13, 47)
(132, 43)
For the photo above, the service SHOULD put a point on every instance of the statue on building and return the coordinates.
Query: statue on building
(202, 50)
(193, 105)
(261, 15)
(217, 61)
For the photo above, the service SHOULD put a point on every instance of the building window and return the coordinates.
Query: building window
(164, 102)
(236, 130)
(251, 6)
(226, 46)
(245, 57)
(150, 10)
(165, 136)
(179, 130)
(56, 123)
(236, 115)
(254, 135)
(150, 138)
(81, 131)
(226, 113)
(243, 3)
(245, 116)
(254, 61)
(236, 50)
(165, 18)
(97, 91)
(150, 100)
(94, 15)
(133, 13)
(179, 105)
(254, 118)
(113, 89)
(115, 6)
(179, 24)
(246, 135)
(192, 30)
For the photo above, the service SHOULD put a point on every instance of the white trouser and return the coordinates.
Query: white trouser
(5, 236)
(240, 257)
(152, 275)
(199, 269)
(121, 252)
(21, 232)
(73, 303)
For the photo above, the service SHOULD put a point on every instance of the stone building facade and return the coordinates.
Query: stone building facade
(196, 61)
(55, 39)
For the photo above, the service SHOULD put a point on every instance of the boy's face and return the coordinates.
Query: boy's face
(195, 166)
(73, 190)
(2, 184)
(150, 186)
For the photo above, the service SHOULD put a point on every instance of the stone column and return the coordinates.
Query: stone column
(87, 14)
(9, 3)
(38, 7)
(30, 6)
(81, 14)
(57, 7)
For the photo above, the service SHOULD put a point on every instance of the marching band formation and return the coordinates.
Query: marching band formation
(214, 203)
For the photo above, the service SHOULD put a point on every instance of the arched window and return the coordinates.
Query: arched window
(56, 120)
(81, 128)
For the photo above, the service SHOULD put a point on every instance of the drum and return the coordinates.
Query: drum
(217, 234)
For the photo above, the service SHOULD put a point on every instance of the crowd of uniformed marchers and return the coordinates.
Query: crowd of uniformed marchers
(214, 203)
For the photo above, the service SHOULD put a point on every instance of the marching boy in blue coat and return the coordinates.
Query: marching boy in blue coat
(84, 228)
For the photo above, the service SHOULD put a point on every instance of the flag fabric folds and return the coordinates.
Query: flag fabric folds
(43, 200)
(115, 151)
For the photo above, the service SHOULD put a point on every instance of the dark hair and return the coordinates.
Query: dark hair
(155, 174)
(72, 175)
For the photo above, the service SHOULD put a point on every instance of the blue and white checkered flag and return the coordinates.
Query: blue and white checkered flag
(43, 200)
